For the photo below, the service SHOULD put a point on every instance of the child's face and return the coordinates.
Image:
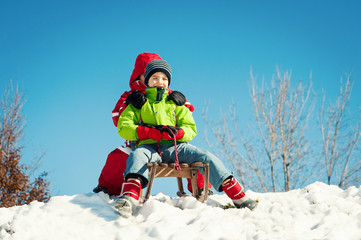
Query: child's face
(158, 79)
(141, 78)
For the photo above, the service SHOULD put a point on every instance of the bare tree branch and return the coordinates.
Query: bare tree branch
(340, 140)
(281, 147)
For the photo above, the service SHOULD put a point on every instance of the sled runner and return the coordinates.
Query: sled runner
(157, 170)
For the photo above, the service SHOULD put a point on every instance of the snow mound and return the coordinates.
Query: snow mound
(318, 211)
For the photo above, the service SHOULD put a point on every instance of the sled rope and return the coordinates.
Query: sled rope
(159, 150)
(177, 166)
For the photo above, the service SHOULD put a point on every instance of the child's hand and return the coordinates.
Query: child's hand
(168, 132)
(177, 97)
(144, 133)
(137, 99)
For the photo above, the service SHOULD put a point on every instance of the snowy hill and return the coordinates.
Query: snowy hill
(318, 211)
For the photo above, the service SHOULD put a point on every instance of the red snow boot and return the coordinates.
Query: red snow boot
(234, 191)
(129, 199)
(200, 184)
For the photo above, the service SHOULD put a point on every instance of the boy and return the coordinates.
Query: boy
(111, 178)
(155, 122)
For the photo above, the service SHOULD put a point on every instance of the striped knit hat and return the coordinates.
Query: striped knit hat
(157, 66)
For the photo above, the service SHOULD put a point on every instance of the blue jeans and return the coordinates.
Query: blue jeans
(187, 153)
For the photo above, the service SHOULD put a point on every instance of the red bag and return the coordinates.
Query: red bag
(112, 176)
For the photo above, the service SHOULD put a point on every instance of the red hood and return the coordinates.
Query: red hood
(139, 68)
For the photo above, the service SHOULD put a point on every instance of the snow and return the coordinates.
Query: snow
(318, 211)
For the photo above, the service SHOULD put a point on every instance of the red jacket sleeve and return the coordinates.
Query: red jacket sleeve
(189, 105)
(119, 107)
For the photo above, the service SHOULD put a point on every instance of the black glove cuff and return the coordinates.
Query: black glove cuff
(177, 97)
(137, 99)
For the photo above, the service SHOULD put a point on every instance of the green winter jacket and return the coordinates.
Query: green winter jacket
(156, 111)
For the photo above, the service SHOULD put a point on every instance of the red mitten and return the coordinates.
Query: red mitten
(169, 132)
(149, 133)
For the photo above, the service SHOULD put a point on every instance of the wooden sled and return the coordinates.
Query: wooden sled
(157, 170)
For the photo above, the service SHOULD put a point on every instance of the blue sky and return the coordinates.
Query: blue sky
(73, 59)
